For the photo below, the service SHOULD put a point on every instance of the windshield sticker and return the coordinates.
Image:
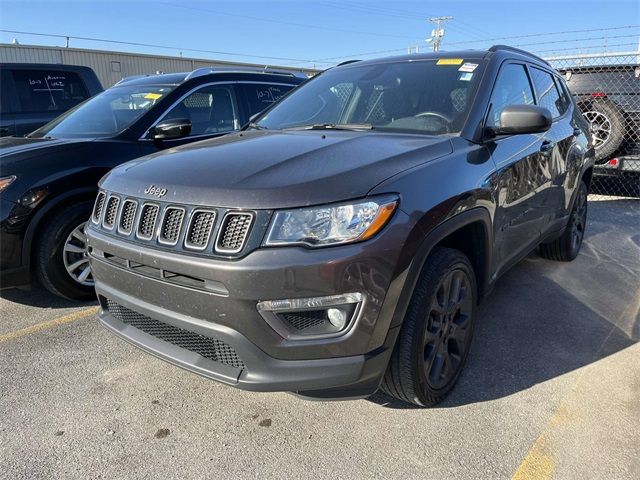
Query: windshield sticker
(466, 76)
(153, 96)
(450, 61)
(468, 67)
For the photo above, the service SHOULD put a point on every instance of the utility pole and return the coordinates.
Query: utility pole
(438, 33)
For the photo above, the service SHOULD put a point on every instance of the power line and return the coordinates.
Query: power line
(572, 40)
(284, 22)
(403, 49)
(371, 10)
(549, 33)
(151, 45)
(587, 47)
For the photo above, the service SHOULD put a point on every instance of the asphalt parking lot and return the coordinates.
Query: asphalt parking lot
(551, 390)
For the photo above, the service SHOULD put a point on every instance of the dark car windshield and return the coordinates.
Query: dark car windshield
(431, 96)
(106, 114)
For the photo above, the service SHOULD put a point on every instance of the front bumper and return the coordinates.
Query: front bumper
(350, 365)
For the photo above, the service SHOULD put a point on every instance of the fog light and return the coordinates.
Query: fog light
(314, 317)
(337, 318)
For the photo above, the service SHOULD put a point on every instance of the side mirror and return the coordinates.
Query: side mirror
(170, 129)
(519, 119)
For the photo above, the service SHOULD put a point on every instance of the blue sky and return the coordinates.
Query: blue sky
(322, 32)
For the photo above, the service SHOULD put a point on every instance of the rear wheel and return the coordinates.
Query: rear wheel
(62, 263)
(567, 246)
(436, 334)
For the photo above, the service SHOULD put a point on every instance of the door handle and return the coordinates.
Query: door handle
(576, 132)
(547, 146)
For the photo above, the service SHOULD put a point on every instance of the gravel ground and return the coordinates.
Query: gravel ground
(551, 390)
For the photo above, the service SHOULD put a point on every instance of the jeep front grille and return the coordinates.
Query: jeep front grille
(233, 232)
(200, 229)
(97, 209)
(180, 227)
(171, 225)
(208, 347)
(111, 212)
(127, 216)
(147, 223)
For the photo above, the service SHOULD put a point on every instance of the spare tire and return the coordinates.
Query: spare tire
(607, 126)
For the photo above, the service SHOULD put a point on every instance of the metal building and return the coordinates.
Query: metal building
(113, 66)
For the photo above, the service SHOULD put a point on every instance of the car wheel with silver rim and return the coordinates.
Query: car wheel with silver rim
(76, 258)
(61, 260)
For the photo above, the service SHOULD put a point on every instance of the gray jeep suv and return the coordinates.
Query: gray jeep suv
(342, 241)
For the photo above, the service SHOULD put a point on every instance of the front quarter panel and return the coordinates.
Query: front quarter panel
(440, 189)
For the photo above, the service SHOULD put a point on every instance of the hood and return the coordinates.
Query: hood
(14, 148)
(275, 169)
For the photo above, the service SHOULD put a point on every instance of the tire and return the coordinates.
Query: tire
(567, 246)
(607, 125)
(426, 342)
(50, 255)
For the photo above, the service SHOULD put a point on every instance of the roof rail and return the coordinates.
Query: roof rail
(495, 48)
(198, 72)
(347, 62)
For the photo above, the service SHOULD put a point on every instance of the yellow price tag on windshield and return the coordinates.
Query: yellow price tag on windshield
(152, 96)
(450, 61)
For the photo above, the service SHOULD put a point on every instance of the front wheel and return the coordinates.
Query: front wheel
(436, 334)
(62, 262)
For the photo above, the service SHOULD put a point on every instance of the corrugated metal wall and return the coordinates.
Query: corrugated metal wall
(112, 66)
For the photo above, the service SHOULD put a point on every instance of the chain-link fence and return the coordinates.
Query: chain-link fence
(607, 90)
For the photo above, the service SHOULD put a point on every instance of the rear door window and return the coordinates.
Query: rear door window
(41, 91)
(260, 96)
(547, 93)
(565, 96)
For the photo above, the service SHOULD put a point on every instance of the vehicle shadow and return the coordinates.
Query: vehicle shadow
(545, 319)
(37, 296)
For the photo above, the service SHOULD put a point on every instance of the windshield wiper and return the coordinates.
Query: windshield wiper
(254, 126)
(333, 126)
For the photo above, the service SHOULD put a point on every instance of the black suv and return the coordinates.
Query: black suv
(343, 240)
(32, 94)
(48, 181)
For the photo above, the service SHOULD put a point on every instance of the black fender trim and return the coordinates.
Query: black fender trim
(444, 229)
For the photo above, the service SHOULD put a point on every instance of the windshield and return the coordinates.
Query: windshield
(423, 96)
(105, 114)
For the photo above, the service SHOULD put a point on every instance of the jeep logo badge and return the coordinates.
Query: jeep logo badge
(156, 191)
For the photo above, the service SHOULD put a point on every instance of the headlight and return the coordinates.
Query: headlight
(6, 181)
(330, 224)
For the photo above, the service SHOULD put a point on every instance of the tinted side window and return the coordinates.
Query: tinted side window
(565, 96)
(547, 92)
(48, 90)
(261, 96)
(512, 88)
(211, 109)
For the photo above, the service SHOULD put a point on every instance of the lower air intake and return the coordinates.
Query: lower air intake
(207, 347)
(306, 319)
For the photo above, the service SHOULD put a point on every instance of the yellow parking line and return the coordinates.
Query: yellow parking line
(539, 462)
(72, 317)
